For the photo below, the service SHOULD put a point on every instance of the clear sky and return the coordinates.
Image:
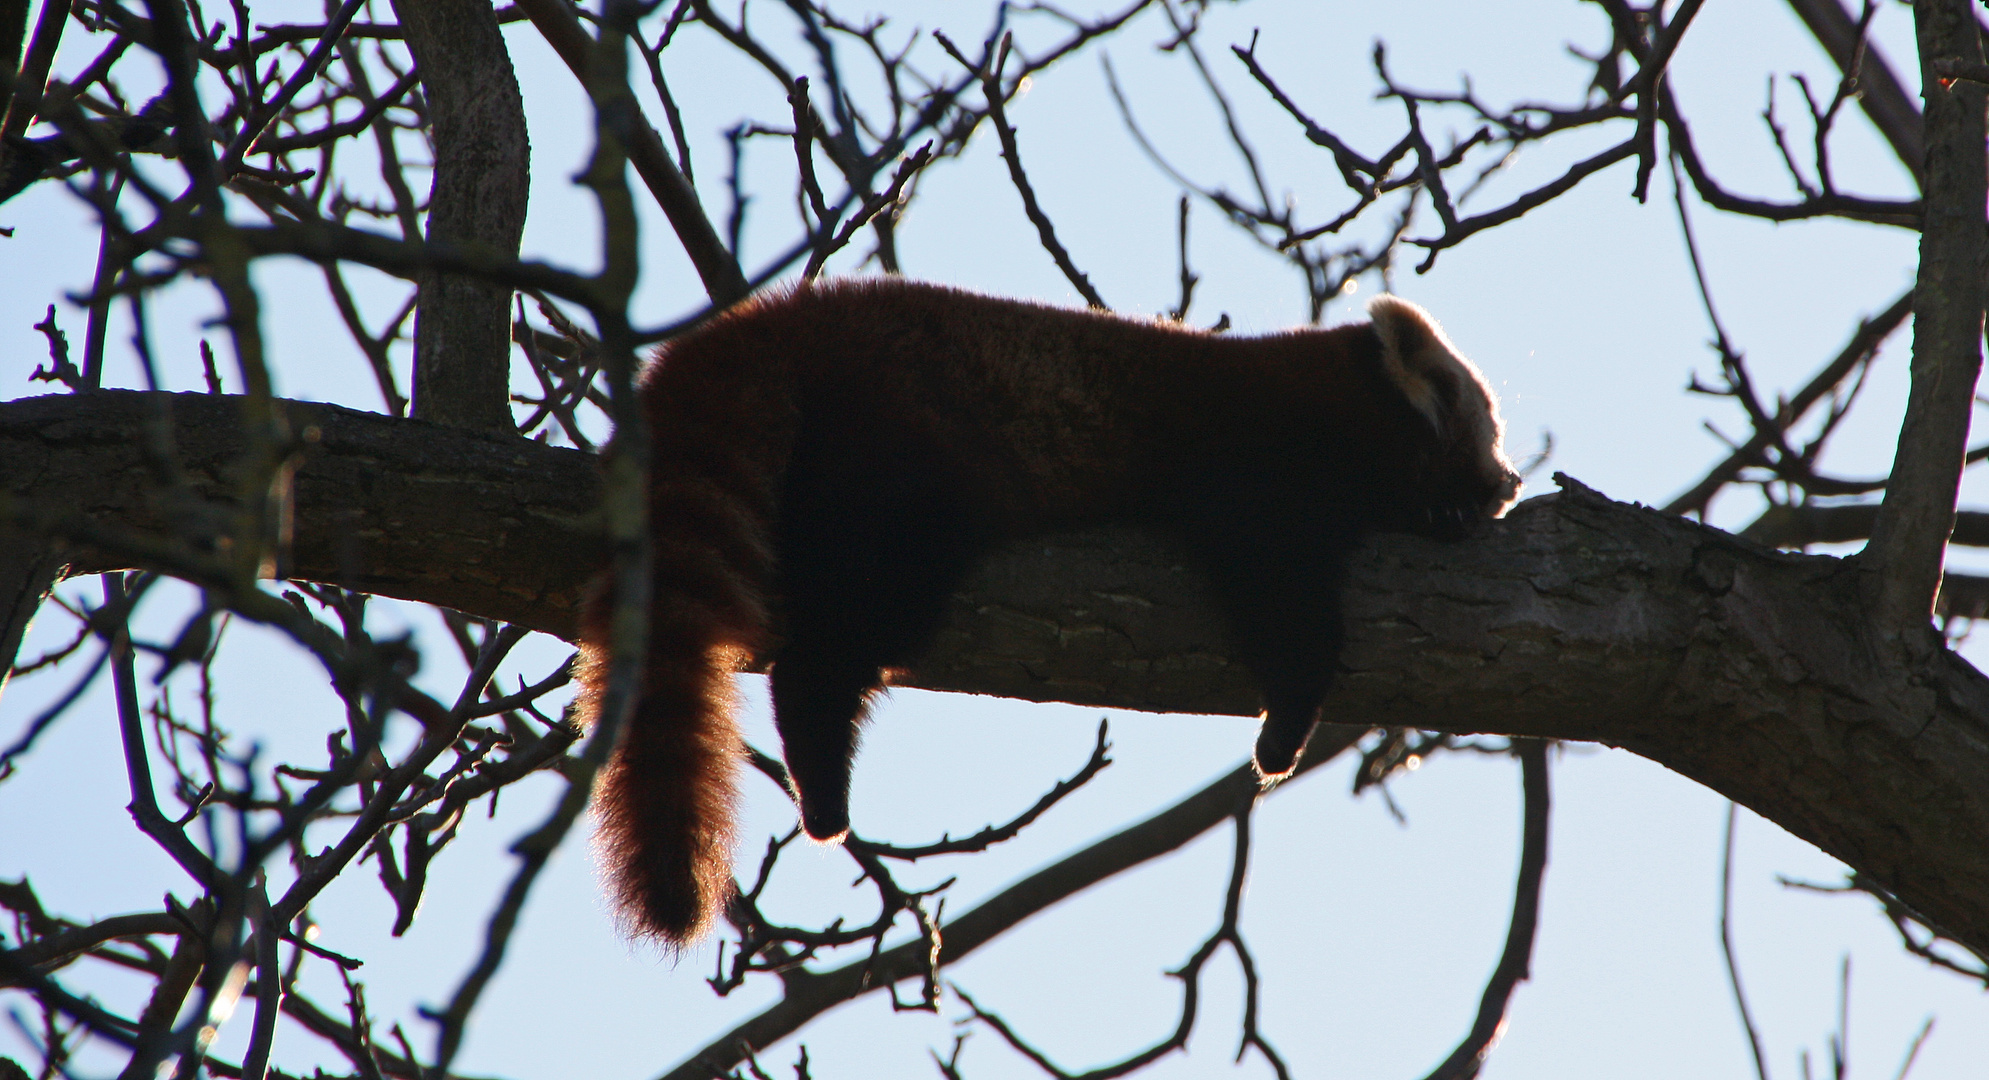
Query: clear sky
(1374, 937)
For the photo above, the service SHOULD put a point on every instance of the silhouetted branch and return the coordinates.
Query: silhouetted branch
(1858, 351)
(1909, 540)
(810, 993)
(1726, 946)
(1516, 961)
(1879, 92)
(991, 85)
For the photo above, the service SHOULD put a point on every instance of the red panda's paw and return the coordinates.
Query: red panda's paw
(1278, 746)
(825, 824)
(1268, 778)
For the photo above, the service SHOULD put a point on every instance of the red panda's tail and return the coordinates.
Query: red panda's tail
(664, 805)
(720, 406)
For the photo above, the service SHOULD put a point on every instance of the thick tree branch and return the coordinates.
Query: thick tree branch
(504, 521)
(1751, 671)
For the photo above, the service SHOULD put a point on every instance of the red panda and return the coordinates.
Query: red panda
(830, 462)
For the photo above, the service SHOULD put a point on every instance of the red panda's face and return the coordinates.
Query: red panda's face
(1485, 477)
(1464, 474)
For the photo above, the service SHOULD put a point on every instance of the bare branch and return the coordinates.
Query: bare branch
(482, 176)
(1516, 961)
(1880, 93)
(723, 280)
(811, 993)
(1795, 526)
(1726, 946)
(1859, 350)
(1646, 84)
(991, 84)
(995, 834)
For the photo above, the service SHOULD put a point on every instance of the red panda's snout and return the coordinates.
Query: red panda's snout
(1506, 493)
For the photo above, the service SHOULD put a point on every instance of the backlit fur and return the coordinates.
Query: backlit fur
(831, 461)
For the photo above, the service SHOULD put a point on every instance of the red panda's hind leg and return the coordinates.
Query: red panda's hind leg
(819, 704)
(1287, 725)
(868, 561)
(847, 621)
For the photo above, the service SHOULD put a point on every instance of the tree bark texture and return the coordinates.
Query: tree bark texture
(513, 516)
(462, 326)
(1910, 537)
(1752, 671)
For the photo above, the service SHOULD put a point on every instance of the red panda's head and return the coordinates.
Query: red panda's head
(1466, 475)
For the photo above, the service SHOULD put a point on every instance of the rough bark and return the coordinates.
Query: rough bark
(1749, 670)
(1909, 539)
(462, 326)
(497, 526)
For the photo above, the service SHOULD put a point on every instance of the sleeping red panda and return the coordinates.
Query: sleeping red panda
(831, 461)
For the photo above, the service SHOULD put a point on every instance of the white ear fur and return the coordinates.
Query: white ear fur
(1413, 345)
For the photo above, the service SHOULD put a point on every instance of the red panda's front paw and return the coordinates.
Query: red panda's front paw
(1278, 746)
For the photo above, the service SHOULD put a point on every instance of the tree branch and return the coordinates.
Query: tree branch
(810, 993)
(372, 492)
(1516, 962)
(1864, 343)
(462, 326)
(1748, 670)
(1880, 94)
(723, 281)
(1794, 526)
(1911, 535)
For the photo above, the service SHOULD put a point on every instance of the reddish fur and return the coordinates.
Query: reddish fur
(927, 425)
(666, 802)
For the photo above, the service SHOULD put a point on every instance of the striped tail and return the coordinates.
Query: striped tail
(666, 804)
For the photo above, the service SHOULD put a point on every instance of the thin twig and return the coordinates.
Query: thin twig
(995, 834)
(991, 84)
(1726, 944)
(1649, 78)
(245, 139)
(1515, 962)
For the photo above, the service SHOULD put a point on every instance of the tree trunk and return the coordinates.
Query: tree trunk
(462, 327)
(1909, 539)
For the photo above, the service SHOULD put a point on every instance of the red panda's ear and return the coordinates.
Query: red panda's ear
(1418, 356)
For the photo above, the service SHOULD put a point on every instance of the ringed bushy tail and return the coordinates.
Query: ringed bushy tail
(665, 802)
(665, 805)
